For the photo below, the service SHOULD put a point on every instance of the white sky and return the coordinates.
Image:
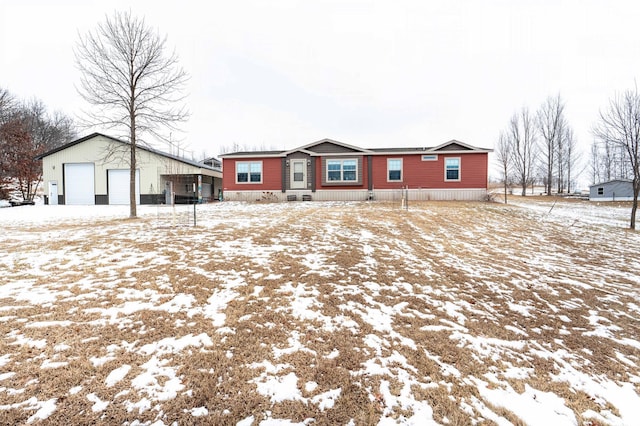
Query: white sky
(280, 74)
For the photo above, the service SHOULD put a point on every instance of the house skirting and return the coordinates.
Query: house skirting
(611, 199)
(360, 195)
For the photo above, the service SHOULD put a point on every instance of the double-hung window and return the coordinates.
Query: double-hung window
(342, 170)
(249, 172)
(394, 170)
(452, 169)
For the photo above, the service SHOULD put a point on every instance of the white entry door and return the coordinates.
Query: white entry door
(53, 193)
(299, 174)
(119, 186)
(79, 184)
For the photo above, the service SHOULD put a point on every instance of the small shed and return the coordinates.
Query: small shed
(613, 190)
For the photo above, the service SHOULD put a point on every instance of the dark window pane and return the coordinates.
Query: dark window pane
(334, 175)
(243, 177)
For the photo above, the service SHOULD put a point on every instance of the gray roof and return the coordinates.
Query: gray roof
(611, 181)
(438, 148)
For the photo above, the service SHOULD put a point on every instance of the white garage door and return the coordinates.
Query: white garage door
(79, 186)
(119, 186)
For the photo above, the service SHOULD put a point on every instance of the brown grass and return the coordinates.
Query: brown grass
(445, 275)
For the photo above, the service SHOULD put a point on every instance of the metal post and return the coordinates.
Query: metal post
(194, 204)
(406, 205)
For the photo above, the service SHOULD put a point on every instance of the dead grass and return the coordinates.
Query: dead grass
(442, 271)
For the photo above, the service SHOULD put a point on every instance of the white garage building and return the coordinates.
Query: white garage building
(95, 170)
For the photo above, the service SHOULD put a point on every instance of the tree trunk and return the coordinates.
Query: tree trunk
(132, 175)
(634, 207)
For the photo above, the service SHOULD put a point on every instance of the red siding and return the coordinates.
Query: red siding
(430, 174)
(415, 173)
(271, 175)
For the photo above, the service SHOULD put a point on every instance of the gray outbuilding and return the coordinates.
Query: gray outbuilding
(613, 190)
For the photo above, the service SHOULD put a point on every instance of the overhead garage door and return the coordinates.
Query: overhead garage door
(118, 181)
(79, 183)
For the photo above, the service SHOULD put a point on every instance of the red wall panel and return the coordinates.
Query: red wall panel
(415, 173)
(271, 175)
(430, 174)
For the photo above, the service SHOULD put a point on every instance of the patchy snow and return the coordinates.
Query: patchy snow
(279, 388)
(46, 408)
(536, 408)
(267, 309)
(117, 375)
(98, 404)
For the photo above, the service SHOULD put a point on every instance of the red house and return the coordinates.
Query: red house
(331, 170)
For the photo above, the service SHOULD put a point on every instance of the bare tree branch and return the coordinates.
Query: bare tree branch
(550, 119)
(619, 126)
(521, 134)
(133, 85)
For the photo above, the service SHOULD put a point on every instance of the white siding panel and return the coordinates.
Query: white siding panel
(362, 195)
(118, 186)
(79, 184)
(432, 194)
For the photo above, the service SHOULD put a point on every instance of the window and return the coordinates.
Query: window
(601, 190)
(249, 172)
(342, 170)
(298, 171)
(394, 170)
(430, 157)
(451, 169)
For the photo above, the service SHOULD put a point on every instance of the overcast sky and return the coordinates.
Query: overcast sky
(281, 74)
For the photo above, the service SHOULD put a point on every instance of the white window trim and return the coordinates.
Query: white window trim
(249, 177)
(341, 160)
(401, 170)
(429, 157)
(459, 169)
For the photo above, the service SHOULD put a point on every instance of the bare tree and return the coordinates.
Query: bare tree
(608, 160)
(595, 163)
(504, 154)
(19, 157)
(560, 153)
(27, 130)
(522, 138)
(46, 131)
(131, 82)
(572, 158)
(7, 105)
(619, 125)
(549, 119)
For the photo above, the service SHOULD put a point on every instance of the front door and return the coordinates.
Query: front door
(299, 174)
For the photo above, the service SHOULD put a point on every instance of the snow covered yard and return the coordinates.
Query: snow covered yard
(320, 313)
